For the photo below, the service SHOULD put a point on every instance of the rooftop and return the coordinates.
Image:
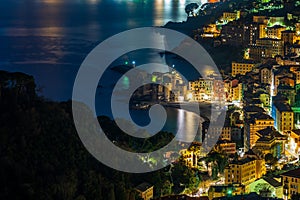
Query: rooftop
(288, 31)
(272, 182)
(260, 116)
(276, 26)
(279, 98)
(250, 196)
(253, 109)
(293, 173)
(143, 186)
(285, 88)
(245, 61)
(243, 161)
(182, 197)
(283, 107)
(269, 131)
(296, 131)
(263, 66)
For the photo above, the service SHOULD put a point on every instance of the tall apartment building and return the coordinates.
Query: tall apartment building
(232, 33)
(283, 116)
(273, 47)
(265, 72)
(254, 31)
(254, 123)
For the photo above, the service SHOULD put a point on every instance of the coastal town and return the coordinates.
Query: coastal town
(257, 154)
(254, 86)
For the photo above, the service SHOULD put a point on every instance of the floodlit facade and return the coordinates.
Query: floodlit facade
(294, 141)
(274, 187)
(254, 123)
(241, 68)
(273, 47)
(190, 157)
(275, 32)
(244, 171)
(291, 183)
(145, 191)
(284, 117)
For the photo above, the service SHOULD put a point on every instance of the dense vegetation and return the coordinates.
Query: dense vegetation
(42, 157)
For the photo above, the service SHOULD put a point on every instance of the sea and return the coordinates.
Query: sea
(49, 39)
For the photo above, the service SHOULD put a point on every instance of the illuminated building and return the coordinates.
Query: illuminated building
(274, 32)
(260, 19)
(262, 31)
(232, 33)
(274, 186)
(226, 147)
(257, 53)
(296, 71)
(288, 36)
(190, 157)
(216, 191)
(218, 90)
(278, 76)
(210, 30)
(201, 89)
(206, 89)
(145, 191)
(294, 141)
(254, 123)
(291, 183)
(252, 32)
(284, 117)
(244, 171)
(224, 143)
(296, 50)
(297, 28)
(237, 92)
(273, 47)
(287, 62)
(230, 16)
(270, 141)
(226, 133)
(287, 91)
(174, 89)
(265, 74)
(241, 67)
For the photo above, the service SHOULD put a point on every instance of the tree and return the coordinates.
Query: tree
(270, 159)
(190, 8)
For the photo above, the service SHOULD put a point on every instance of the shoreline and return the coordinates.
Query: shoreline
(204, 108)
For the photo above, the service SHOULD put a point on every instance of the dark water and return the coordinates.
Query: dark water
(49, 39)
